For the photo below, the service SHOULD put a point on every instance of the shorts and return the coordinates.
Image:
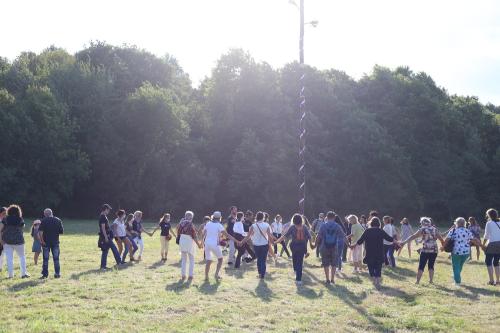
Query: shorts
(357, 253)
(37, 246)
(329, 257)
(215, 249)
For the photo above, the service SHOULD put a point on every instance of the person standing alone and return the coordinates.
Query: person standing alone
(48, 232)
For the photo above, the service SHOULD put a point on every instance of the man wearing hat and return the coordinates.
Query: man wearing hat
(211, 235)
(106, 237)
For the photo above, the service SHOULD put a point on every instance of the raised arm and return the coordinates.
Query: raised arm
(415, 236)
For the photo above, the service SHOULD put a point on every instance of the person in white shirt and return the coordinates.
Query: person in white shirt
(239, 233)
(389, 246)
(491, 245)
(212, 234)
(260, 233)
(277, 228)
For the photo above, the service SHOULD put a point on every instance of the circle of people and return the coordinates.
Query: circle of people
(372, 241)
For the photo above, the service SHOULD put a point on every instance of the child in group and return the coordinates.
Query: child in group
(406, 232)
(165, 235)
(271, 253)
(37, 246)
(277, 227)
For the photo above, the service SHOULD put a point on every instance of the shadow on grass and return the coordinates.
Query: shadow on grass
(175, 264)
(398, 272)
(307, 292)
(77, 276)
(263, 292)
(234, 272)
(354, 301)
(25, 284)
(393, 292)
(207, 288)
(469, 292)
(179, 286)
(157, 264)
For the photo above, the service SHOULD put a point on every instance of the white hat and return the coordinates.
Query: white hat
(217, 215)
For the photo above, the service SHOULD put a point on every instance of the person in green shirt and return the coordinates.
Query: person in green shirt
(357, 252)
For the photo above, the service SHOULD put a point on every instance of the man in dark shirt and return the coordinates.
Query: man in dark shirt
(106, 238)
(229, 229)
(48, 233)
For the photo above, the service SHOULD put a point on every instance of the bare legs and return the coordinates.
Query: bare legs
(330, 274)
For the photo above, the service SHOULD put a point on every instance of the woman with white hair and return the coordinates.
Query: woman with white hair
(429, 250)
(139, 229)
(187, 239)
(462, 239)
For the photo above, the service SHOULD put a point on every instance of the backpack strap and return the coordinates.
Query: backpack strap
(257, 225)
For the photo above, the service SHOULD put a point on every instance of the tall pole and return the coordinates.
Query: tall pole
(302, 112)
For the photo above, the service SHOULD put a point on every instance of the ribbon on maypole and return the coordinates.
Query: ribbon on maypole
(302, 146)
(302, 112)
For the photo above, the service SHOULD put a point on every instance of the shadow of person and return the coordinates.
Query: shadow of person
(178, 286)
(234, 272)
(393, 292)
(263, 292)
(25, 284)
(157, 264)
(482, 291)
(307, 292)
(175, 264)
(207, 288)
(77, 276)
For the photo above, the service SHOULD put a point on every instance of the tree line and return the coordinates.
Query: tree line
(123, 126)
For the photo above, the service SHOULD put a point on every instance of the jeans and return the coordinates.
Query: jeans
(375, 270)
(389, 255)
(458, 261)
(283, 244)
(9, 254)
(344, 252)
(261, 253)
(298, 253)
(340, 249)
(55, 257)
(125, 252)
(104, 255)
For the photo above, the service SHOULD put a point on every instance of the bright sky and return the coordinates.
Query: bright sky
(457, 42)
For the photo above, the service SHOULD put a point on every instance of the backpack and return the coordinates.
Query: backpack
(330, 238)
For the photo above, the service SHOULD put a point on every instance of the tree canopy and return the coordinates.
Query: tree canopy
(123, 126)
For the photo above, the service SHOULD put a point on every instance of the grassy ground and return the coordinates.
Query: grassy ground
(148, 297)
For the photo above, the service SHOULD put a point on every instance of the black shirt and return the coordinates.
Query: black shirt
(52, 227)
(13, 221)
(374, 244)
(103, 219)
(230, 225)
(165, 228)
(246, 225)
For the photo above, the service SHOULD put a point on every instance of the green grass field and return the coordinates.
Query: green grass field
(148, 296)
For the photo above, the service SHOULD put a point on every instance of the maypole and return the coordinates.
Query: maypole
(302, 112)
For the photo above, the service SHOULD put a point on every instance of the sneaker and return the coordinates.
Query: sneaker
(43, 277)
(298, 283)
(25, 276)
(57, 276)
(328, 282)
(230, 263)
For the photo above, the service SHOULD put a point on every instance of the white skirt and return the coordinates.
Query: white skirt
(187, 244)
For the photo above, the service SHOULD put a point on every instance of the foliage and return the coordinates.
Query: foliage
(121, 125)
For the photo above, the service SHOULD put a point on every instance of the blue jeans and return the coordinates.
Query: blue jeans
(389, 255)
(125, 252)
(261, 253)
(298, 253)
(55, 257)
(104, 255)
(340, 249)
